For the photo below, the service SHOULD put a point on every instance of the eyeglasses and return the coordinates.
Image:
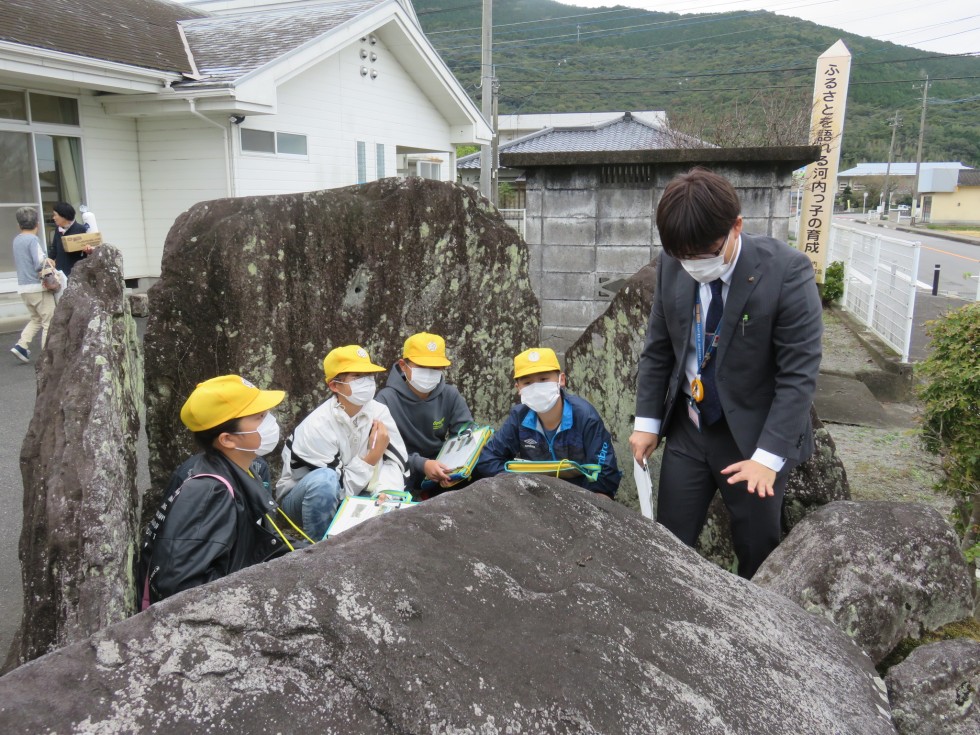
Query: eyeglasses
(712, 254)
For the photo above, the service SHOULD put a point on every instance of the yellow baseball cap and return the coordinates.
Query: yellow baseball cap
(535, 360)
(426, 350)
(224, 398)
(348, 359)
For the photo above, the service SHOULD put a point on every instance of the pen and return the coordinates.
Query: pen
(745, 318)
(374, 439)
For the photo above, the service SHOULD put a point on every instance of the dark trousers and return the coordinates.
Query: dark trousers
(689, 475)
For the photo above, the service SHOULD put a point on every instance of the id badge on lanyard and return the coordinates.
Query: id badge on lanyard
(703, 356)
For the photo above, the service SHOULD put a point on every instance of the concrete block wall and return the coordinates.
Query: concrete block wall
(583, 234)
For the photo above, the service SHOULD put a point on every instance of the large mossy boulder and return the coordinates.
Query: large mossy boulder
(519, 604)
(936, 690)
(78, 464)
(266, 286)
(882, 571)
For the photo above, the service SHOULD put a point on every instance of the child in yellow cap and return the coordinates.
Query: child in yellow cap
(211, 521)
(348, 445)
(425, 407)
(551, 424)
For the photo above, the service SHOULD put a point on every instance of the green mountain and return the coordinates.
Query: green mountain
(745, 76)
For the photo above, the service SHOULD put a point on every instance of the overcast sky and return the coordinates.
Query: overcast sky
(946, 26)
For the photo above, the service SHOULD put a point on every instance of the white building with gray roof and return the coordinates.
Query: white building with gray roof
(140, 109)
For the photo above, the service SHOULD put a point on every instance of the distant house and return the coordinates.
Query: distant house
(572, 131)
(901, 175)
(591, 194)
(951, 197)
(141, 109)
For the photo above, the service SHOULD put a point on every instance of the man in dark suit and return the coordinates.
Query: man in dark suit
(64, 218)
(729, 367)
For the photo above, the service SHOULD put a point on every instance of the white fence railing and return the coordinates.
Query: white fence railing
(515, 218)
(879, 282)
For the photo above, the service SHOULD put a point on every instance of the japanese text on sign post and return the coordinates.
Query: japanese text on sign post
(826, 128)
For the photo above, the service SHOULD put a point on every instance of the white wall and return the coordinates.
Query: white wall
(110, 158)
(182, 162)
(334, 106)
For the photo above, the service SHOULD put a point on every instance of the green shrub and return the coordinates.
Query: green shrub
(951, 422)
(833, 283)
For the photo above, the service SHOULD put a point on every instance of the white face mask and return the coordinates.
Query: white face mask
(540, 397)
(424, 380)
(706, 270)
(361, 390)
(268, 432)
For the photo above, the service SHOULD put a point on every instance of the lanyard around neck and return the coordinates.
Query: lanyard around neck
(704, 356)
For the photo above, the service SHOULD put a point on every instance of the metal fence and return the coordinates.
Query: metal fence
(879, 282)
(514, 218)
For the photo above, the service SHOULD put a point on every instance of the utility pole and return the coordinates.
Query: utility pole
(918, 153)
(495, 168)
(896, 121)
(486, 85)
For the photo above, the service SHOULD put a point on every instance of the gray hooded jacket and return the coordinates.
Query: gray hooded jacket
(423, 423)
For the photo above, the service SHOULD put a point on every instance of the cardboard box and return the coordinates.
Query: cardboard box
(74, 243)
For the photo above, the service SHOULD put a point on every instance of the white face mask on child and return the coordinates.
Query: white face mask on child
(361, 390)
(540, 397)
(268, 432)
(424, 380)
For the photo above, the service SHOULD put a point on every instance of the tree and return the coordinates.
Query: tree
(951, 422)
(767, 118)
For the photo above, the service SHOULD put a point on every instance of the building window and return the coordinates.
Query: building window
(380, 159)
(290, 144)
(258, 141)
(361, 162)
(267, 141)
(39, 169)
(430, 170)
(46, 108)
(13, 105)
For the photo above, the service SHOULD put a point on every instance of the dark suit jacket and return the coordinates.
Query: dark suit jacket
(64, 261)
(766, 365)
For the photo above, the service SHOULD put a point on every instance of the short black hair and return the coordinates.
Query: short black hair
(64, 209)
(205, 439)
(696, 210)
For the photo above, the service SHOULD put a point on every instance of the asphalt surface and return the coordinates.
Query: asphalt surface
(18, 386)
(958, 259)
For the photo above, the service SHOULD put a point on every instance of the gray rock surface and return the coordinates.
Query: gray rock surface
(881, 571)
(266, 286)
(78, 463)
(936, 689)
(139, 304)
(602, 368)
(520, 604)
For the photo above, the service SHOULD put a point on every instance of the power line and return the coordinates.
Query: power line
(497, 26)
(692, 90)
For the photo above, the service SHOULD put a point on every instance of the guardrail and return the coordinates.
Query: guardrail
(879, 282)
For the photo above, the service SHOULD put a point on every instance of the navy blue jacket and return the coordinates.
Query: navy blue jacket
(581, 437)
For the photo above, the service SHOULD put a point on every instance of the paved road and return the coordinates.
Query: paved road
(959, 262)
(18, 386)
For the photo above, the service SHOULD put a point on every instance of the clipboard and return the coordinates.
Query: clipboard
(644, 488)
(460, 453)
(589, 471)
(356, 509)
